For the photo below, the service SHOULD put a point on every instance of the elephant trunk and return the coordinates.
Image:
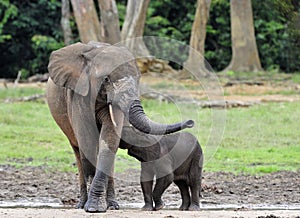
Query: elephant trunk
(140, 121)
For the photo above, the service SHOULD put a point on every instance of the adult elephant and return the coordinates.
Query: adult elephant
(92, 93)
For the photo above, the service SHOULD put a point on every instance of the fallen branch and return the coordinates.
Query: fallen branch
(249, 83)
(18, 78)
(35, 97)
(200, 103)
(226, 104)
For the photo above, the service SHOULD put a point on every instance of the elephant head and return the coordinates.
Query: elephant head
(110, 73)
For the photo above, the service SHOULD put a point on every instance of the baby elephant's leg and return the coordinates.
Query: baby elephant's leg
(185, 195)
(147, 192)
(194, 196)
(195, 185)
(161, 185)
(147, 176)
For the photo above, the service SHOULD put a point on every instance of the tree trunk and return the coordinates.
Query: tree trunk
(134, 26)
(196, 61)
(109, 21)
(87, 20)
(65, 21)
(244, 50)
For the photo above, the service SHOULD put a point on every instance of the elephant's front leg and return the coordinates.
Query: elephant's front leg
(112, 204)
(108, 145)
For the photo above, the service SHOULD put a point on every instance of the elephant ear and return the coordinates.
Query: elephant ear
(67, 67)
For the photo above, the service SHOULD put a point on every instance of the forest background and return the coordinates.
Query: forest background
(31, 30)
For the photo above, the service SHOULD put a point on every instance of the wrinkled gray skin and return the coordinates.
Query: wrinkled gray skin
(92, 93)
(177, 157)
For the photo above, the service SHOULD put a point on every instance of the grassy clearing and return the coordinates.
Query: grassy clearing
(19, 92)
(259, 139)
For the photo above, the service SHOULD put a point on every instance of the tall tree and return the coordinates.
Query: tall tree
(134, 26)
(244, 50)
(110, 21)
(196, 61)
(65, 21)
(87, 20)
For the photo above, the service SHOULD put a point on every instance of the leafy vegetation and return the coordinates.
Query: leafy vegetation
(259, 139)
(30, 30)
(25, 50)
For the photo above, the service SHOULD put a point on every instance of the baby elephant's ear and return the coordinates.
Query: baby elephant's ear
(67, 67)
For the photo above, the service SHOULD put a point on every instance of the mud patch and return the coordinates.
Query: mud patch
(280, 190)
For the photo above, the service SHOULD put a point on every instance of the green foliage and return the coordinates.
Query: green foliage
(218, 41)
(277, 33)
(42, 46)
(20, 52)
(121, 5)
(30, 30)
(7, 11)
(171, 19)
(275, 42)
(274, 24)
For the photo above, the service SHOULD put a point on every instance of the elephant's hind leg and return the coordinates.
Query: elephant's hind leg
(194, 197)
(195, 185)
(57, 98)
(185, 195)
(161, 185)
(82, 180)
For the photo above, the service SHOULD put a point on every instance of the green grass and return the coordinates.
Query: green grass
(296, 77)
(171, 84)
(260, 139)
(18, 92)
(28, 132)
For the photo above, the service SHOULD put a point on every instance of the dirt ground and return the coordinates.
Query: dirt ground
(129, 213)
(270, 195)
(260, 89)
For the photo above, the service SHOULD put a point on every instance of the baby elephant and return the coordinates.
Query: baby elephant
(176, 157)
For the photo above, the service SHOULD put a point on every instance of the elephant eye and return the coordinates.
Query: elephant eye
(107, 79)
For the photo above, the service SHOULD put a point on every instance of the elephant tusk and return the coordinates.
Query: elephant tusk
(112, 115)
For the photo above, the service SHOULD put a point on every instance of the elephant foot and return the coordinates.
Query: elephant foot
(147, 207)
(95, 206)
(112, 205)
(184, 207)
(80, 204)
(194, 207)
(159, 205)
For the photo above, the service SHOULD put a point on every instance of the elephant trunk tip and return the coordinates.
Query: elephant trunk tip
(140, 121)
(188, 124)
